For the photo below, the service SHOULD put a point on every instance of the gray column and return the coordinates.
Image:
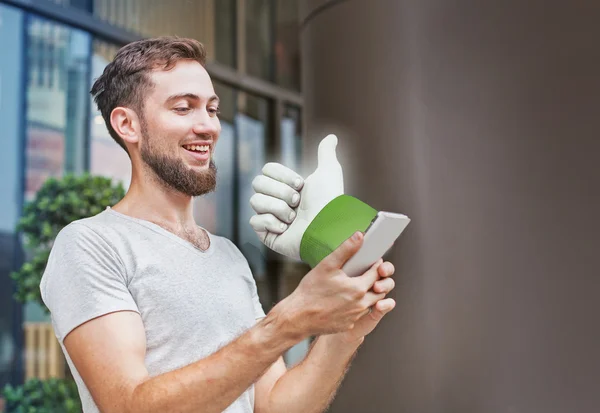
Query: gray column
(481, 121)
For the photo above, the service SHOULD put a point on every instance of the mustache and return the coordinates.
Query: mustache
(197, 138)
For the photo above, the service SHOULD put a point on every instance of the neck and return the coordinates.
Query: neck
(150, 199)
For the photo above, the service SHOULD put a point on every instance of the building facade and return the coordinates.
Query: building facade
(51, 53)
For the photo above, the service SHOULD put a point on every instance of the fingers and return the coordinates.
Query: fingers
(366, 312)
(368, 278)
(283, 174)
(371, 298)
(382, 307)
(264, 204)
(341, 254)
(384, 286)
(267, 222)
(268, 186)
(386, 269)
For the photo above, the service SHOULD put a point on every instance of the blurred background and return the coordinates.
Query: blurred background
(478, 120)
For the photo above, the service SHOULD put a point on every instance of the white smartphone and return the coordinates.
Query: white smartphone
(379, 237)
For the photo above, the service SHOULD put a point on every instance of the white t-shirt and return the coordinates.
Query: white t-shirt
(191, 302)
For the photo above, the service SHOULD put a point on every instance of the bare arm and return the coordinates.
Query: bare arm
(310, 386)
(109, 354)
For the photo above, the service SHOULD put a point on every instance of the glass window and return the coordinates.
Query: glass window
(287, 44)
(11, 44)
(291, 156)
(215, 211)
(78, 4)
(107, 158)
(272, 41)
(291, 139)
(251, 124)
(225, 32)
(259, 38)
(57, 86)
(199, 19)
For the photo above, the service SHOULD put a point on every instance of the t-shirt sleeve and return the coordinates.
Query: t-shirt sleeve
(84, 279)
(259, 312)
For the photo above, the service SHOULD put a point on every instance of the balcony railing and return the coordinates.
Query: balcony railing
(43, 355)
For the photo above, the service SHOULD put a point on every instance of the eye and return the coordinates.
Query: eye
(182, 110)
(214, 111)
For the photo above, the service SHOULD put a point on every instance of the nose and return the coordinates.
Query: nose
(206, 124)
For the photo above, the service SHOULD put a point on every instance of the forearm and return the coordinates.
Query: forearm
(213, 383)
(311, 385)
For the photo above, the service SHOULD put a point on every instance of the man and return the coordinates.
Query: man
(155, 314)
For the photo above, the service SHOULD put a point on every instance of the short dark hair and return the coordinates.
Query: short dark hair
(125, 80)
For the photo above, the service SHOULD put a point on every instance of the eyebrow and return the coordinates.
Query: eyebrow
(213, 98)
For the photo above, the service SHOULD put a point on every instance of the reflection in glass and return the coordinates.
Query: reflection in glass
(11, 68)
(78, 4)
(57, 87)
(107, 158)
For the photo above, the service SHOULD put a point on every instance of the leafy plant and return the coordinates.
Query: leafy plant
(59, 202)
(43, 396)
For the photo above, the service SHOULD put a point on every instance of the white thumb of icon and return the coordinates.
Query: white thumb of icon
(328, 166)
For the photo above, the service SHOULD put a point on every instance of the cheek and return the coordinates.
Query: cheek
(217, 132)
(169, 129)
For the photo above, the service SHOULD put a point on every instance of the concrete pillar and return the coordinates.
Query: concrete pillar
(481, 121)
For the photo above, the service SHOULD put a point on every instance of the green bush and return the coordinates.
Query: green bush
(57, 203)
(43, 396)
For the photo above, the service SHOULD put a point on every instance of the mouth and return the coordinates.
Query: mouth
(198, 152)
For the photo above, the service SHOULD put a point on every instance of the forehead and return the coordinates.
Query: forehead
(187, 76)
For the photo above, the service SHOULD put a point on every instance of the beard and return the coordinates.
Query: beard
(172, 171)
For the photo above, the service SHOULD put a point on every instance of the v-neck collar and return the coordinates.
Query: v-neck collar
(157, 228)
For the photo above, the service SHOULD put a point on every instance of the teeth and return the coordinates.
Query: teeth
(202, 148)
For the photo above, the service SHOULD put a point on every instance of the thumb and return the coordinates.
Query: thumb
(326, 155)
(344, 252)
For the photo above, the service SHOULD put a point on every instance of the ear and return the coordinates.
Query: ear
(126, 123)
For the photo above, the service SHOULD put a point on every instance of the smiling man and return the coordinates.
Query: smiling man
(156, 314)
